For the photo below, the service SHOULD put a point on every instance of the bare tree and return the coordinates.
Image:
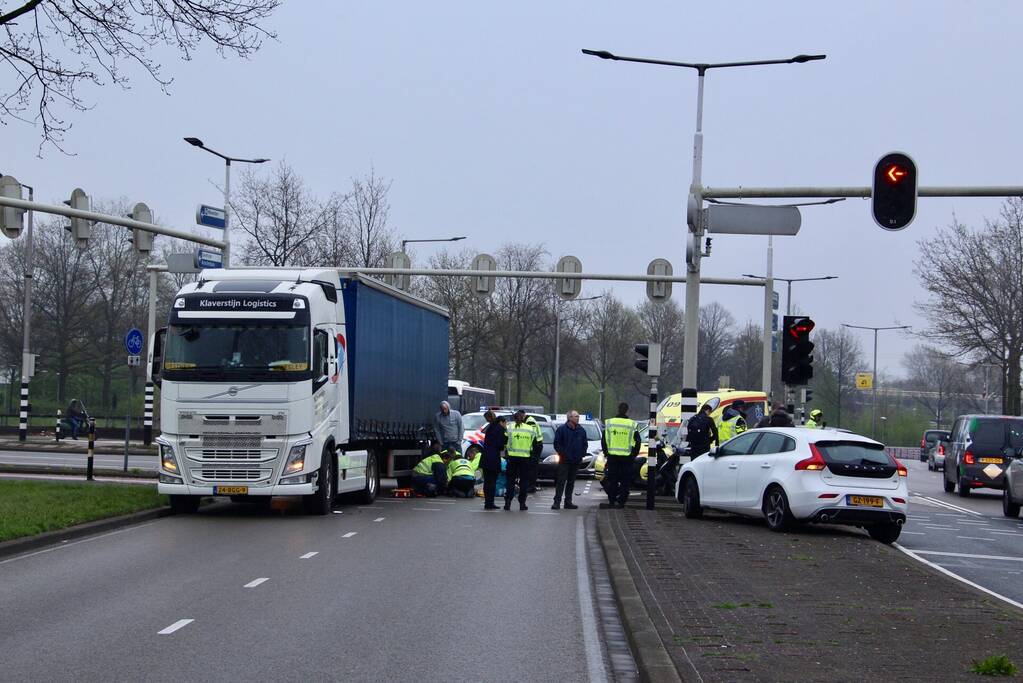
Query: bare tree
(51, 48)
(747, 358)
(663, 323)
(975, 281)
(717, 333)
(609, 337)
(365, 212)
(279, 216)
(837, 356)
(939, 379)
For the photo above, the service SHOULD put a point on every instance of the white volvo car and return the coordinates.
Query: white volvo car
(796, 474)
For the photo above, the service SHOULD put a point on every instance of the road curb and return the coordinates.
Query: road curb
(652, 657)
(48, 538)
(51, 448)
(65, 470)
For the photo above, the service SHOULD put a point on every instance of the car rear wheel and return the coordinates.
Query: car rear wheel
(950, 486)
(776, 509)
(691, 507)
(1009, 508)
(930, 466)
(964, 487)
(885, 533)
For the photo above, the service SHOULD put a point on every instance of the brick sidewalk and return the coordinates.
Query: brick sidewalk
(733, 601)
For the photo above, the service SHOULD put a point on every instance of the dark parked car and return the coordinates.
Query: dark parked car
(982, 447)
(1012, 494)
(931, 437)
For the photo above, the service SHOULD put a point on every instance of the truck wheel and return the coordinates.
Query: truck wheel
(184, 505)
(369, 493)
(321, 502)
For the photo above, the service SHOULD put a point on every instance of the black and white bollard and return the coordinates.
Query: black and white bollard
(92, 446)
(651, 448)
(147, 419)
(23, 413)
(57, 430)
(688, 411)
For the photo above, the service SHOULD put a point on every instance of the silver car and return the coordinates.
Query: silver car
(1012, 494)
(936, 455)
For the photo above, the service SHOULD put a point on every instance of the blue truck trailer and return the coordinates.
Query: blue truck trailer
(305, 382)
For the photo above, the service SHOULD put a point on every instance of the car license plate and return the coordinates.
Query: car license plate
(230, 490)
(867, 501)
(997, 461)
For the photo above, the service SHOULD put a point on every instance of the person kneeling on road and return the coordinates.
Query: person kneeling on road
(570, 444)
(430, 476)
(461, 475)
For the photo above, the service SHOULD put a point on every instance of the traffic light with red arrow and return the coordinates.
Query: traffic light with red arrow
(796, 350)
(893, 193)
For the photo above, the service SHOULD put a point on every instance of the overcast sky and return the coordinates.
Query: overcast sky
(493, 125)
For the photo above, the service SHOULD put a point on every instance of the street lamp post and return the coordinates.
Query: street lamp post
(790, 280)
(26, 355)
(557, 346)
(442, 239)
(196, 142)
(873, 407)
(692, 320)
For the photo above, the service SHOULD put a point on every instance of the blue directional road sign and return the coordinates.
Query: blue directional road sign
(133, 341)
(211, 217)
(208, 258)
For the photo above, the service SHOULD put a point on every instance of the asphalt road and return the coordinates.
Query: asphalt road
(43, 459)
(967, 536)
(431, 589)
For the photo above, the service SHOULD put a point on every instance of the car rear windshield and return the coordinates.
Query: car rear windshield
(996, 434)
(933, 435)
(853, 453)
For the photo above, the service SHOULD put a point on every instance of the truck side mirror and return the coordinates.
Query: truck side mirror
(157, 365)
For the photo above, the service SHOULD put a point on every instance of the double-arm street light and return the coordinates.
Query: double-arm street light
(196, 142)
(442, 239)
(873, 407)
(557, 346)
(695, 209)
(790, 280)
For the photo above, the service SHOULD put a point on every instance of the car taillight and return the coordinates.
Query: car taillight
(923, 443)
(814, 462)
(941, 449)
(903, 472)
(968, 458)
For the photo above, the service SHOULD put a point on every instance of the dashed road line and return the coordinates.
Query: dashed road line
(972, 538)
(379, 519)
(1005, 533)
(914, 533)
(179, 624)
(308, 555)
(256, 582)
(349, 534)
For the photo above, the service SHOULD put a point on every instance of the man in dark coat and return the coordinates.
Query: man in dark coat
(570, 444)
(494, 439)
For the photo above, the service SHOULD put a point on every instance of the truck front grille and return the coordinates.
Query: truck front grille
(207, 474)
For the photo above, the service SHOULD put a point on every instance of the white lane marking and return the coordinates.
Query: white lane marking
(972, 538)
(950, 506)
(943, 553)
(955, 576)
(65, 544)
(256, 582)
(180, 623)
(939, 528)
(379, 519)
(428, 509)
(915, 533)
(349, 534)
(594, 656)
(1004, 533)
(337, 512)
(308, 555)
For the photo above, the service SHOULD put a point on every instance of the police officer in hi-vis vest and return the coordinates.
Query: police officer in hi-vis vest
(521, 437)
(621, 446)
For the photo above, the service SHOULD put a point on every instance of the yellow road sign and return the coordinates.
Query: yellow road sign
(864, 380)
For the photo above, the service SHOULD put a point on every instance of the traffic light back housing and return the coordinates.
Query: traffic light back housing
(796, 350)
(894, 190)
(649, 360)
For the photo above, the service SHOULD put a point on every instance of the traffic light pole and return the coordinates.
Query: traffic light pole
(26, 314)
(854, 191)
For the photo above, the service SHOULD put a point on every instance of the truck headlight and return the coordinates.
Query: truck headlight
(296, 460)
(167, 459)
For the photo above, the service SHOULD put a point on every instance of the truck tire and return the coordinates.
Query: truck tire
(184, 505)
(369, 493)
(321, 502)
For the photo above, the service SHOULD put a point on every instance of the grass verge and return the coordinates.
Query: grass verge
(32, 507)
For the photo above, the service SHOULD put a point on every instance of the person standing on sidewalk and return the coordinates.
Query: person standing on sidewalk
(521, 438)
(495, 437)
(621, 446)
(570, 444)
(448, 426)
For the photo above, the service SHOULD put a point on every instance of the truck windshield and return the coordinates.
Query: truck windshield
(270, 348)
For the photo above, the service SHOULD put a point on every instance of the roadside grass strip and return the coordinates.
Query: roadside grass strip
(33, 507)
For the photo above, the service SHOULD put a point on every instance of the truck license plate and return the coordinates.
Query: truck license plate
(230, 490)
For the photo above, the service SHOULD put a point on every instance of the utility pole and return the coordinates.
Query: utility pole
(26, 355)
